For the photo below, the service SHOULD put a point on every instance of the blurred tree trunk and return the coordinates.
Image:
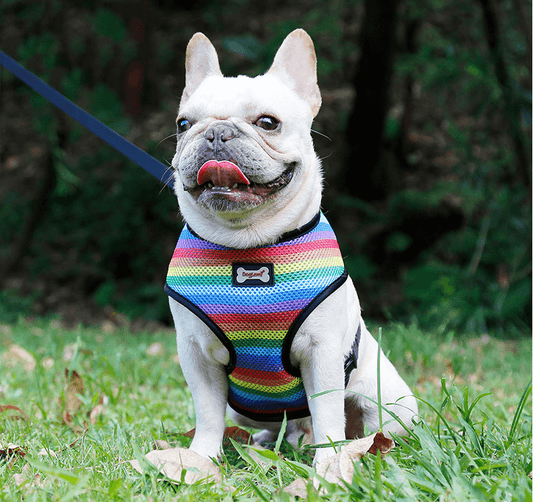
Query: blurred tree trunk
(368, 172)
(510, 95)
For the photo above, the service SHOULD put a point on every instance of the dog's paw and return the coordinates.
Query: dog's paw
(264, 436)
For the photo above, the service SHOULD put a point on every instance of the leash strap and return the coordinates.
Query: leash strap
(134, 153)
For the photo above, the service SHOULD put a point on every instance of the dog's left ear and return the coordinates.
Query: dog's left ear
(295, 64)
(201, 61)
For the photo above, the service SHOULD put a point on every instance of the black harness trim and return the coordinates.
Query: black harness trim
(350, 362)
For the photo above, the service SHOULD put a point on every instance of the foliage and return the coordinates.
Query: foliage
(472, 442)
(108, 238)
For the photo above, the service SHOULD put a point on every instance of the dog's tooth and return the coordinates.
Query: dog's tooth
(235, 185)
(210, 185)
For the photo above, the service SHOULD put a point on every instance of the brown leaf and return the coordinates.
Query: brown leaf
(25, 477)
(17, 355)
(174, 461)
(161, 444)
(7, 407)
(96, 411)
(155, 349)
(341, 465)
(236, 433)
(11, 453)
(381, 443)
(298, 488)
(75, 387)
(71, 402)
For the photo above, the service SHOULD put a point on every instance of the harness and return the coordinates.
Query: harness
(255, 300)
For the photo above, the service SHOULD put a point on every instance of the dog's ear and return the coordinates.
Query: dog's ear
(201, 61)
(295, 64)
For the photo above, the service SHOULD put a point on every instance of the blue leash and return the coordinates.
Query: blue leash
(134, 153)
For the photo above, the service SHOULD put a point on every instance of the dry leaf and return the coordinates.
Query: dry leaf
(329, 469)
(298, 488)
(69, 351)
(75, 387)
(16, 354)
(341, 466)
(174, 461)
(156, 349)
(11, 453)
(7, 407)
(96, 411)
(47, 363)
(381, 443)
(25, 476)
(236, 433)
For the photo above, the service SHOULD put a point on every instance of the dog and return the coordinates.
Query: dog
(265, 314)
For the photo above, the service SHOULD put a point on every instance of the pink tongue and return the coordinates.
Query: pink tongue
(221, 174)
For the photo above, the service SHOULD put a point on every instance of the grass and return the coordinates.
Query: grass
(472, 442)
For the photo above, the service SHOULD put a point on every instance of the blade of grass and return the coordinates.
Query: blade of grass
(518, 413)
(281, 433)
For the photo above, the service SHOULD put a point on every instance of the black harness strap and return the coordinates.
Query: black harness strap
(350, 362)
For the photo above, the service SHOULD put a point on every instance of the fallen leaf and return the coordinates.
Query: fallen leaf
(298, 488)
(16, 354)
(381, 443)
(97, 411)
(8, 407)
(25, 477)
(155, 349)
(11, 452)
(329, 469)
(341, 466)
(160, 444)
(69, 351)
(236, 433)
(75, 387)
(174, 461)
(47, 363)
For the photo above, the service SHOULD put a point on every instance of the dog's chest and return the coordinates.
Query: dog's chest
(254, 300)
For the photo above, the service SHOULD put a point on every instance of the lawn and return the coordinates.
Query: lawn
(77, 405)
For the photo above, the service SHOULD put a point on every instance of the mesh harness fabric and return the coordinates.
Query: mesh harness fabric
(255, 300)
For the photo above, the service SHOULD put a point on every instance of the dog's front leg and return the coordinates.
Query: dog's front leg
(202, 359)
(323, 371)
(207, 381)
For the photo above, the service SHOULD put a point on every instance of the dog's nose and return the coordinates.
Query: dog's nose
(220, 133)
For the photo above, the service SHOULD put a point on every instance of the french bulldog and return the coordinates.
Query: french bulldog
(249, 184)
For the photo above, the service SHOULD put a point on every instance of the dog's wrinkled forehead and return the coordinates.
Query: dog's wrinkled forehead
(246, 98)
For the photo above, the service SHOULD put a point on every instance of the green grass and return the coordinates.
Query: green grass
(473, 440)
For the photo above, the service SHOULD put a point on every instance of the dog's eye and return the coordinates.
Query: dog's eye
(267, 123)
(183, 125)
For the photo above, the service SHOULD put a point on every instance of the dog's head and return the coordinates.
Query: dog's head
(245, 167)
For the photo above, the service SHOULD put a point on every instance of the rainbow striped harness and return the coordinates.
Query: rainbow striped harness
(255, 300)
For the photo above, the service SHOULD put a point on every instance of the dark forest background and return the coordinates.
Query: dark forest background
(424, 134)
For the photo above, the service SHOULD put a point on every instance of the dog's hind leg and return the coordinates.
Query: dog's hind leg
(362, 394)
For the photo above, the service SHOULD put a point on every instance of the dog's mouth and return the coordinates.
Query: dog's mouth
(224, 179)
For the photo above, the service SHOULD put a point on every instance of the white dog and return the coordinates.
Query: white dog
(265, 314)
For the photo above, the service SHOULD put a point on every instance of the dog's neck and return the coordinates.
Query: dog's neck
(255, 229)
